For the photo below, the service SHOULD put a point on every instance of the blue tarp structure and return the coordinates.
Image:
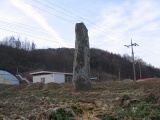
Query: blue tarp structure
(7, 78)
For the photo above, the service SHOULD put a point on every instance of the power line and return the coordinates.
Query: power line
(56, 10)
(147, 49)
(114, 36)
(35, 30)
(29, 35)
(30, 27)
(22, 25)
(48, 12)
(41, 33)
(79, 17)
(63, 18)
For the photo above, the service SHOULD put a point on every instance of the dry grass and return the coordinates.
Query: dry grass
(102, 100)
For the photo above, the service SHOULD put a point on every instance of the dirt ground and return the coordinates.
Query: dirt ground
(121, 100)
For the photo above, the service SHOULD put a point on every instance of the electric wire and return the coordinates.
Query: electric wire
(36, 31)
(43, 10)
(48, 12)
(91, 23)
(46, 36)
(61, 17)
(30, 35)
(30, 27)
(35, 34)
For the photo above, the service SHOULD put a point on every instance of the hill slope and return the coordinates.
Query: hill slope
(104, 65)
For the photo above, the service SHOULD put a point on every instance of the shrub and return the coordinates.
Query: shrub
(61, 114)
(140, 110)
(77, 109)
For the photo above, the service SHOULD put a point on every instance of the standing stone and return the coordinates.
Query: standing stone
(81, 65)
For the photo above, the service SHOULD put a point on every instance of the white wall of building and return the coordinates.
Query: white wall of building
(59, 78)
(47, 78)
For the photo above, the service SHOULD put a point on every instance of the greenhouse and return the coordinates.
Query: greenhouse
(7, 78)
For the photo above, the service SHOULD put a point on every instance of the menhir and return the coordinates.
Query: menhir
(81, 65)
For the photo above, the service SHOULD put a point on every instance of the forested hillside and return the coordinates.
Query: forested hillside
(23, 56)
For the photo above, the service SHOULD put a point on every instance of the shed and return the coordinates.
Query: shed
(7, 78)
(48, 76)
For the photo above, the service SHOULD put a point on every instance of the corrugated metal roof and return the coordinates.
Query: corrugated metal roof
(49, 72)
(41, 72)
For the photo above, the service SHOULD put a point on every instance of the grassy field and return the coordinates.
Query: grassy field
(105, 101)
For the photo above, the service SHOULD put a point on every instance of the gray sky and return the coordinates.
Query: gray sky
(111, 24)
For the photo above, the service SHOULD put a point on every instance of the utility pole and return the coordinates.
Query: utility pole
(140, 73)
(17, 70)
(119, 74)
(133, 44)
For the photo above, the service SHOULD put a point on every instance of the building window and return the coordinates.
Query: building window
(43, 80)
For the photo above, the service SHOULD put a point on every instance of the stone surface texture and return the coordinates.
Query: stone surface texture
(81, 65)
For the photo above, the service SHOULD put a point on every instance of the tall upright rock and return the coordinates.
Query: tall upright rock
(81, 65)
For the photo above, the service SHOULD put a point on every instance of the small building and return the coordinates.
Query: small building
(7, 78)
(26, 77)
(94, 79)
(48, 76)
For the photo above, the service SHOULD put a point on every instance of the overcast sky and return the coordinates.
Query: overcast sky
(111, 24)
